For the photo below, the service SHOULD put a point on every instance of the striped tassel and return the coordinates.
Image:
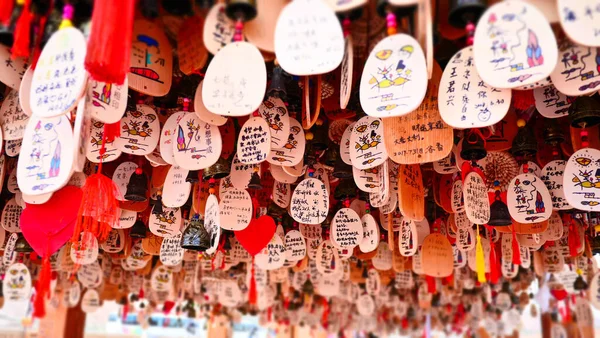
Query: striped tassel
(480, 259)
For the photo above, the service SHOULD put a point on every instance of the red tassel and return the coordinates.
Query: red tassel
(42, 289)
(522, 99)
(22, 36)
(6, 9)
(168, 306)
(109, 45)
(111, 131)
(494, 271)
(516, 253)
(431, 287)
(125, 311)
(252, 294)
(141, 293)
(325, 316)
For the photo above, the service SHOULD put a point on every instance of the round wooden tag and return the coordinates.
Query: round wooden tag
(370, 239)
(10, 256)
(408, 243)
(25, 91)
(346, 229)
(106, 102)
(578, 21)
(514, 45)
(235, 81)
(272, 257)
(394, 79)
(115, 241)
(176, 190)
(241, 173)
(235, 209)
(274, 111)
(90, 302)
(203, 113)
(168, 131)
(551, 103)
(192, 55)
(151, 69)
(327, 260)
(411, 194)
(310, 202)
(17, 283)
(260, 31)
(292, 151)
(437, 256)
(381, 195)
(140, 131)
(295, 246)
(171, 252)
(308, 38)
(14, 69)
(121, 177)
(528, 199)
(577, 72)
(94, 143)
(282, 194)
(12, 117)
(218, 29)
(464, 100)
(552, 175)
(212, 222)
(254, 141)
(196, 144)
(59, 78)
(345, 144)
(165, 224)
(48, 145)
(475, 195)
(367, 144)
(346, 72)
(580, 180)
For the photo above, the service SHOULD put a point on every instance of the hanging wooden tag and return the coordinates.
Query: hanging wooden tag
(106, 102)
(274, 111)
(260, 31)
(115, 241)
(346, 229)
(212, 222)
(551, 103)
(271, 257)
(254, 141)
(94, 143)
(367, 143)
(151, 70)
(552, 175)
(578, 21)
(176, 190)
(308, 38)
(192, 54)
(528, 199)
(235, 210)
(577, 72)
(311, 109)
(292, 151)
(203, 113)
(477, 203)
(196, 145)
(464, 100)
(394, 78)
(14, 68)
(167, 223)
(295, 246)
(580, 179)
(12, 117)
(59, 78)
(411, 194)
(420, 136)
(310, 202)
(241, 173)
(171, 252)
(514, 46)
(140, 131)
(167, 136)
(48, 144)
(218, 29)
(371, 236)
(235, 81)
(437, 256)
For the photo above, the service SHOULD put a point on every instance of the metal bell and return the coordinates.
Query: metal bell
(345, 189)
(341, 169)
(499, 214)
(157, 209)
(524, 144)
(275, 211)
(255, 182)
(241, 9)
(277, 86)
(137, 187)
(580, 284)
(138, 230)
(220, 169)
(195, 237)
(331, 154)
(192, 176)
(473, 148)
(464, 11)
(584, 112)
(553, 134)
(21, 245)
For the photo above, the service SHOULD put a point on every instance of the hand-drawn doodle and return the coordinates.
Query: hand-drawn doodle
(578, 70)
(528, 199)
(581, 181)
(106, 102)
(140, 131)
(95, 140)
(579, 19)
(292, 152)
(367, 147)
(197, 145)
(551, 103)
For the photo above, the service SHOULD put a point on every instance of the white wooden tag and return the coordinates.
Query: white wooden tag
(212, 222)
(345, 144)
(308, 38)
(477, 203)
(514, 45)
(59, 78)
(167, 223)
(551, 103)
(274, 111)
(121, 177)
(310, 202)
(171, 252)
(371, 235)
(346, 229)
(115, 241)
(295, 246)
(383, 257)
(328, 261)
(12, 117)
(394, 79)
(552, 175)
(577, 72)
(11, 215)
(106, 102)
(176, 190)
(580, 180)
(167, 138)
(408, 243)
(282, 193)
(235, 81)
(528, 199)
(94, 143)
(464, 100)
(48, 145)
(203, 113)
(140, 130)
(17, 283)
(90, 302)
(196, 144)
(578, 19)
(235, 210)
(367, 145)
(273, 255)
(218, 29)
(292, 150)
(161, 279)
(254, 141)
(241, 173)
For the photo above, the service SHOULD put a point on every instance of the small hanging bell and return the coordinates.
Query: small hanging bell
(21, 245)
(341, 169)
(137, 188)
(220, 169)
(195, 237)
(138, 230)
(277, 86)
(345, 189)
(580, 284)
(584, 112)
(553, 134)
(331, 154)
(275, 211)
(192, 176)
(157, 209)
(499, 214)
(255, 180)
(473, 147)
(241, 9)
(464, 11)
(524, 144)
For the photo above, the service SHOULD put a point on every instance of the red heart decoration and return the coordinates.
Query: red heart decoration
(257, 234)
(47, 227)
